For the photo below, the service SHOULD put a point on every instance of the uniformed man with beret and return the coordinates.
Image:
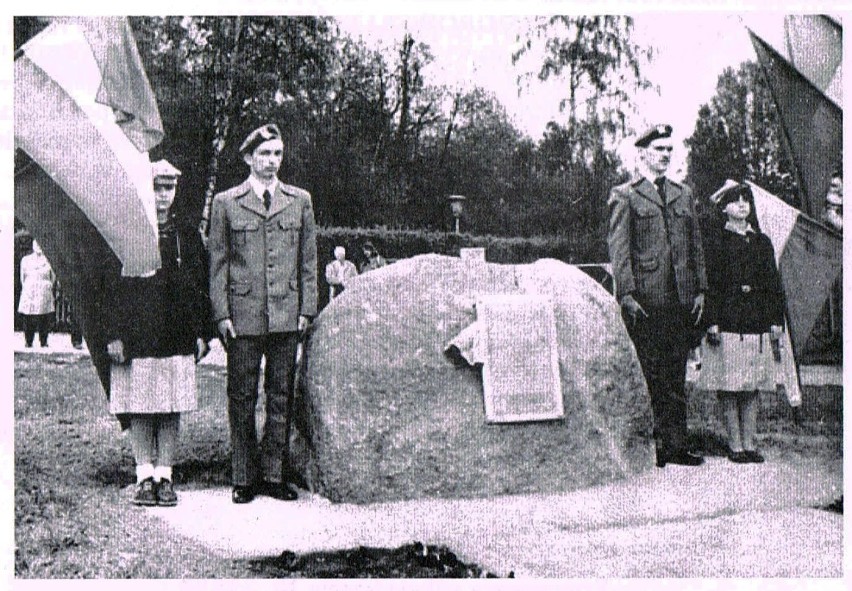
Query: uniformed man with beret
(658, 267)
(263, 289)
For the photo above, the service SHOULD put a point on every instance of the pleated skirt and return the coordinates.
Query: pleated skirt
(744, 363)
(154, 385)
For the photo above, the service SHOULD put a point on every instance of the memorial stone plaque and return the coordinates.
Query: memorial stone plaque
(520, 375)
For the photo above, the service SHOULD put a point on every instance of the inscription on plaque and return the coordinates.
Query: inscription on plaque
(520, 374)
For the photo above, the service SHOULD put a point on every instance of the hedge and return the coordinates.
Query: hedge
(399, 244)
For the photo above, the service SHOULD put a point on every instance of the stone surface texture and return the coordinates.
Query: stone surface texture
(384, 414)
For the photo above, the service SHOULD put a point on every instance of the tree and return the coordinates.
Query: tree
(738, 136)
(218, 77)
(576, 163)
(601, 65)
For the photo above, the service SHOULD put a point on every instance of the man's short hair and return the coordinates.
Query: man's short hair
(264, 133)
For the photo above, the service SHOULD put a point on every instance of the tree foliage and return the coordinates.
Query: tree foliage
(369, 134)
(738, 135)
(600, 64)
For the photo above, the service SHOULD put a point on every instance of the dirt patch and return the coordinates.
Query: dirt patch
(410, 561)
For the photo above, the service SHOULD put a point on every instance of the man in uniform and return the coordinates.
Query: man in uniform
(263, 289)
(658, 266)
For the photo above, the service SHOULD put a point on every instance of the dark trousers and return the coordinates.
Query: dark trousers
(662, 342)
(76, 332)
(40, 323)
(248, 459)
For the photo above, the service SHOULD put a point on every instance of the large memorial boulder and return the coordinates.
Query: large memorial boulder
(387, 415)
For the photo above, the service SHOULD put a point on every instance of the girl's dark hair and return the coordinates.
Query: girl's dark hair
(731, 195)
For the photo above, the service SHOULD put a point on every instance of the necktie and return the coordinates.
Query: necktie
(267, 199)
(660, 183)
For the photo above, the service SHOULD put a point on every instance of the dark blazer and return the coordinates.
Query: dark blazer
(655, 249)
(163, 315)
(745, 294)
(263, 265)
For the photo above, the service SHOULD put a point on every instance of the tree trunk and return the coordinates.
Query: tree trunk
(222, 127)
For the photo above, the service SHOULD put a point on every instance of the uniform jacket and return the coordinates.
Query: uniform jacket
(263, 265)
(655, 249)
(745, 294)
(163, 315)
(37, 281)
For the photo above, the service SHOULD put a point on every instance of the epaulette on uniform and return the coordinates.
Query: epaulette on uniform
(295, 191)
(235, 192)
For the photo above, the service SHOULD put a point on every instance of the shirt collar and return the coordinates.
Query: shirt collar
(645, 172)
(732, 228)
(258, 187)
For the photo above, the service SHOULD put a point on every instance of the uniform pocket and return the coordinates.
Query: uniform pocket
(240, 289)
(290, 227)
(647, 226)
(240, 232)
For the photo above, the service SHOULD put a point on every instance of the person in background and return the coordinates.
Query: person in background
(36, 305)
(745, 310)
(658, 266)
(338, 272)
(74, 328)
(160, 329)
(833, 212)
(372, 259)
(263, 288)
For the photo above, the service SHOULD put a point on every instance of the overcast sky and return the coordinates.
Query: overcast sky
(692, 50)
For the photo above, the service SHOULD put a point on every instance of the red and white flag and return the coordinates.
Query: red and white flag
(809, 257)
(85, 118)
(86, 115)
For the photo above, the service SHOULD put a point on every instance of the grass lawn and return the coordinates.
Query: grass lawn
(73, 476)
(73, 471)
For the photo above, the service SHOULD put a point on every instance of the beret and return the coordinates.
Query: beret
(164, 170)
(730, 192)
(656, 132)
(264, 133)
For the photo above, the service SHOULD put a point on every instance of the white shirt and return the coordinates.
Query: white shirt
(258, 187)
(645, 172)
(731, 227)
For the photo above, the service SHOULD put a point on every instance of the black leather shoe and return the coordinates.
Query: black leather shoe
(243, 494)
(280, 491)
(684, 458)
(166, 496)
(146, 493)
(754, 456)
(739, 457)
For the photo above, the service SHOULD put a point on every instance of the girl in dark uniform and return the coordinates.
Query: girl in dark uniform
(160, 329)
(745, 312)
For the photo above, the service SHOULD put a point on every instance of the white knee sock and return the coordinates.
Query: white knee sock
(162, 472)
(144, 471)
